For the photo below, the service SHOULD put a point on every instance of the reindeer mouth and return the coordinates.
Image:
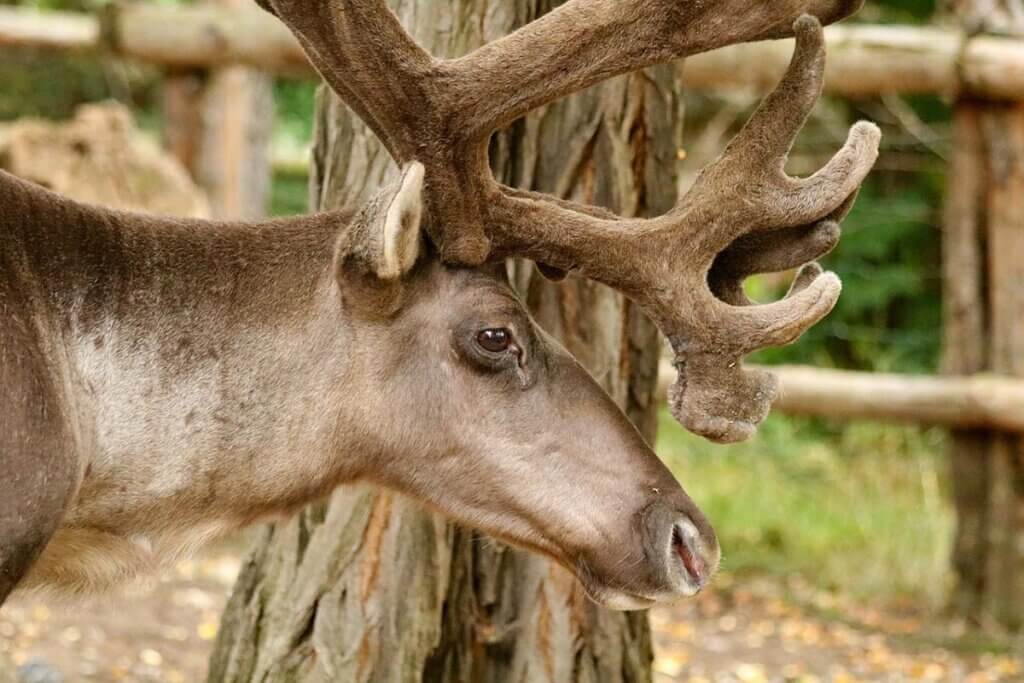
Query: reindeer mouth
(686, 565)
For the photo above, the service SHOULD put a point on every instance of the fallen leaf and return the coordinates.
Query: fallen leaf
(672, 664)
(207, 630)
(751, 673)
(151, 657)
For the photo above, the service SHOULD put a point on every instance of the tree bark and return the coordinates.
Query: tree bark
(369, 587)
(983, 256)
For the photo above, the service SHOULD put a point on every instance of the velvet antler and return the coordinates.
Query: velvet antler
(685, 269)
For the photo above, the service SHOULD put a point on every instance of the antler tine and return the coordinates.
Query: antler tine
(771, 130)
(840, 177)
(774, 252)
(783, 322)
(685, 269)
(768, 253)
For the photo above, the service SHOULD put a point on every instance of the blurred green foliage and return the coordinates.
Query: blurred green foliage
(50, 85)
(889, 317)
(62, 5)
(898, 11)
(294, 102)
(890, 314)
(289, 194)
(46, 85)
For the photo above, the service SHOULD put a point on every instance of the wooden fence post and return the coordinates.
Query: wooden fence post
(984, 330)
(220, 127)
(183, 115)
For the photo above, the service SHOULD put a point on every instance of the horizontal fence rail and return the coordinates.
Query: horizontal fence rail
(864, 60)
(975, 401)
(178, 37)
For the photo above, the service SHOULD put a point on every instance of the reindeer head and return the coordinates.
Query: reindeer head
(583, 487)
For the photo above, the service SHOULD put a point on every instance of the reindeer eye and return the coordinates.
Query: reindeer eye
(494, 340)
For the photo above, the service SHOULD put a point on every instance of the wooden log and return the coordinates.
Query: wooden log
(204, 35)
(1004, 571)
(965, 345)
(864, 60)
(219, 124)
(60, 31)
(974, 401)
(873, 60)
(233, 163)
(183, 115)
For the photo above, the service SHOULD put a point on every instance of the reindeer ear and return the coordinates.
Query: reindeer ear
(400, 228)
(381, 245)
(383, 240)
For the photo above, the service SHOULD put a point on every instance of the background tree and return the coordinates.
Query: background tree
(368, 587)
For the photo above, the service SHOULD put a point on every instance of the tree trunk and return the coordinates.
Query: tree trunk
(983, 257)
(369, 587)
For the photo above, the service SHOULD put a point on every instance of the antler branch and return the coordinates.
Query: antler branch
(685, 269)
(584, 42)
(743, 216)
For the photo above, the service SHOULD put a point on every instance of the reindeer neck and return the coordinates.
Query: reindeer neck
(202, 352)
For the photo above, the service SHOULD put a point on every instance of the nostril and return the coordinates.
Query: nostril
(686, 544)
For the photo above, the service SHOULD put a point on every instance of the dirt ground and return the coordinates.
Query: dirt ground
(749, 631)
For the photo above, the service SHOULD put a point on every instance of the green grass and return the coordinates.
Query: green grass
(863, 511)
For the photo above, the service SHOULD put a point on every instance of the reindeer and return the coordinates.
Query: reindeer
(165, 380)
